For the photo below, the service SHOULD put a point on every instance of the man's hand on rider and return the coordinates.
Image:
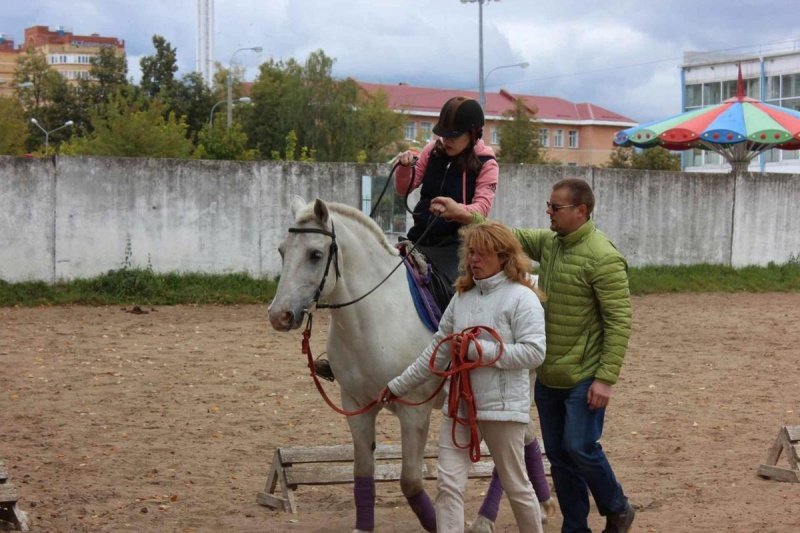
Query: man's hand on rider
(449, 209)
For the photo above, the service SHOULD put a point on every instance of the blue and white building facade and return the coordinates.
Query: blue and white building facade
(710, 78)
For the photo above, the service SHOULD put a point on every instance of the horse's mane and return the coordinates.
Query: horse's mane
(352, 213)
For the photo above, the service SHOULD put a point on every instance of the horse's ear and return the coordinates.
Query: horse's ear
(298, 203)
(321, 211)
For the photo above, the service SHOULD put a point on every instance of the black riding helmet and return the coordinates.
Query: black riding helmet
(459, 115)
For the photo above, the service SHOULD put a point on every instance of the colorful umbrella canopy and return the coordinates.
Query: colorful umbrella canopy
(738, 129)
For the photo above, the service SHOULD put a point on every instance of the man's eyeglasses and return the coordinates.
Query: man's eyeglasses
(556, 208)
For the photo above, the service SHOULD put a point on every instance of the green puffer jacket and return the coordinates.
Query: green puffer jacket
(588, 309)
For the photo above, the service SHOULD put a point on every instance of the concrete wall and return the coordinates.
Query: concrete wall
(79, 217)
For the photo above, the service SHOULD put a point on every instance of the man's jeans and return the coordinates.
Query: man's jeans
(570, 431)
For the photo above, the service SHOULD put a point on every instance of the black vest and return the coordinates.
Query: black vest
(441, 179)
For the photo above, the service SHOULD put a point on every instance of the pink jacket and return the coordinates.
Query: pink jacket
(485, 184)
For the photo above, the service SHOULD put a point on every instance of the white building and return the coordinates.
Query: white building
(709, 78)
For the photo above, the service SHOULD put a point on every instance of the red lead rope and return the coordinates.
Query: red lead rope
(461, 383)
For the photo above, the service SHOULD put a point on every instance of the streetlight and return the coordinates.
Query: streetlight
(242, 100)
(524, 64)
(256, 49)
(47, 133)
(482, 94)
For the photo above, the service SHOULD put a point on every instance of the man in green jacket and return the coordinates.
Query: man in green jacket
(588, 323)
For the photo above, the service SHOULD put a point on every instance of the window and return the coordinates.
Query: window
(712, 93)
(790, 85)
(426, 129)
(573, 138)
(411, 131)
(694, 95)
(544, 140)
(495, 135)
(558, 139)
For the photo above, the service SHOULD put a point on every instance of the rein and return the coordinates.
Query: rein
(306, 346)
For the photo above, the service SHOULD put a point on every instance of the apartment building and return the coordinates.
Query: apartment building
(68, 54)
(571, 133)
(773, 77)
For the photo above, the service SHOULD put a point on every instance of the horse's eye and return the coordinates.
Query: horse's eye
(315, 255)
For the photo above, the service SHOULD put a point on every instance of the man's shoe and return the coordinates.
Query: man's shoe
(620, 522)
(322, 368)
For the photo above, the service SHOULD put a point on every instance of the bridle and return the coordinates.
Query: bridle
(333, 257)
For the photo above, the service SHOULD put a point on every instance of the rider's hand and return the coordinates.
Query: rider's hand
(407, 158)
(387, 396)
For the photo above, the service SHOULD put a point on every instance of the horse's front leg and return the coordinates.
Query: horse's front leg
(362, 429)
(414, 423)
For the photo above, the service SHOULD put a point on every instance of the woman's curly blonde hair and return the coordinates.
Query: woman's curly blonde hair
(494, 237)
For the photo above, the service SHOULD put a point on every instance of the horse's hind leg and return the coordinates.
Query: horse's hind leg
(414, 423)
(362, 429)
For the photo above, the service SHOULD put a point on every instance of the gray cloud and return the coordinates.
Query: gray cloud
(623, 54)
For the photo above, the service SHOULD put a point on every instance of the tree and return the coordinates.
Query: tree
(192, 100)
(332, 118)
(158, 71)
(13, 127)
(125, 127)
(656, 158)
(46, 96)
(519, 136)
(220, 142)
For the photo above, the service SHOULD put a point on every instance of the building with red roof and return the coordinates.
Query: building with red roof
(573, 134)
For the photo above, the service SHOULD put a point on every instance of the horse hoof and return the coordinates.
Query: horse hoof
(323, 369)
(481, 525)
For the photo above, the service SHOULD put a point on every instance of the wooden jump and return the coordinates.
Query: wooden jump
(788, 443)
(333, 465)
(9, 512)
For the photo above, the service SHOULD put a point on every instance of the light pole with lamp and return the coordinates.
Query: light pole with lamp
(47, 133)
(256, 49)
(523, 64)
(242, 100)
(481, 90)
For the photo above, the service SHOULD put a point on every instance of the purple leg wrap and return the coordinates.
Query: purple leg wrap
(491, 502)
(535, 468)
(364, 492)
(423, 508)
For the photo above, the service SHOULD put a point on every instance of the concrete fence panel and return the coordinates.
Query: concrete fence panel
(767, 222)
(27, 216)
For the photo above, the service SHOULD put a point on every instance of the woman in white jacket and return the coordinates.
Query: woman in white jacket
(495, 292)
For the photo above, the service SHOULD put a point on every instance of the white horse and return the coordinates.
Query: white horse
(336, 254)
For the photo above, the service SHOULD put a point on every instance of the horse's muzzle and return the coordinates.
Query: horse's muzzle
(284, 320)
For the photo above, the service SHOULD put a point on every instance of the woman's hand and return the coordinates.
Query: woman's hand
(407, 158)
(387, 396)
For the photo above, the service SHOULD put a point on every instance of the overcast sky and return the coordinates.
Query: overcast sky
(620, 54)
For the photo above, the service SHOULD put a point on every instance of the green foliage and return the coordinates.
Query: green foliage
(158, 70)
(220, 142)
(128, 286)
(334, 119)
(620, 158)
(191, 100)
(50, 100)
(290, 152)
(519, 137)
(656, 158)
(124, 127)
(715, 278)
(140, 286)
(13, 127)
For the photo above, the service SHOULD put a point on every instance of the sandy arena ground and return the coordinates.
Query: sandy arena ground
(167, 421)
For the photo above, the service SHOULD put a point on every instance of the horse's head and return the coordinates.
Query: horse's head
(309, 256)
